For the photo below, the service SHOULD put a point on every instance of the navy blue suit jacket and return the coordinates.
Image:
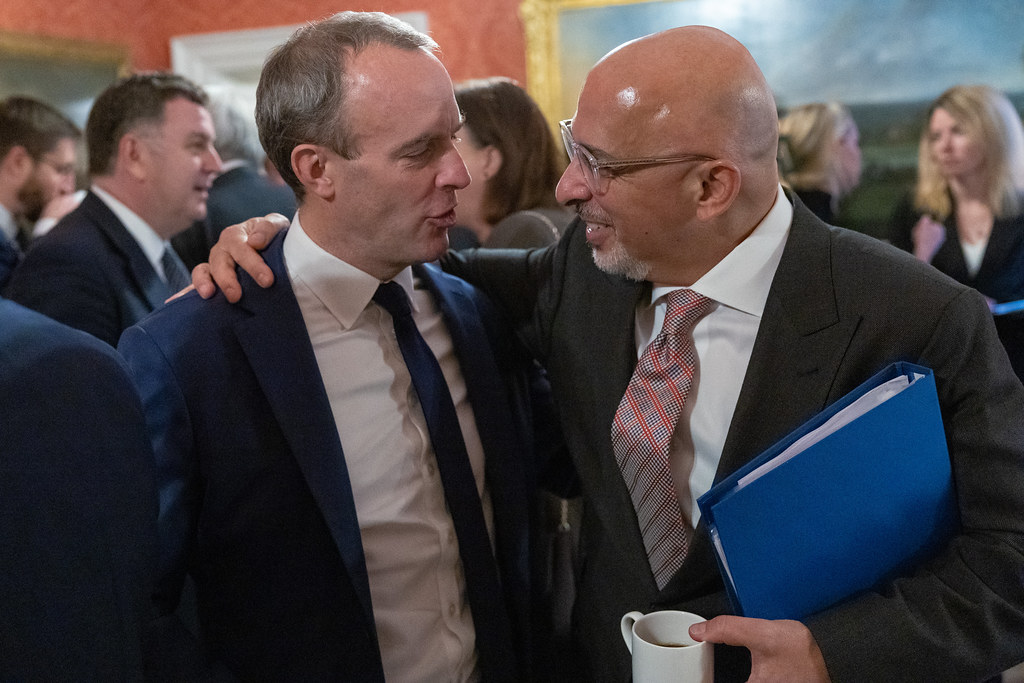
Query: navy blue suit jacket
(255, 497)
(89, 273)
(77, 507)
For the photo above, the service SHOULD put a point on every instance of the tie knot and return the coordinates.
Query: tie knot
(685, 308)
(393, 299)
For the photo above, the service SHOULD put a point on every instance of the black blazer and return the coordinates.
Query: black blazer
(1000, 277)
(89, 273)
(841, 306)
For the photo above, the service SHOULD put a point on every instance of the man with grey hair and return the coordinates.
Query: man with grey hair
(109, 262)
(241, 190)
(344, 462)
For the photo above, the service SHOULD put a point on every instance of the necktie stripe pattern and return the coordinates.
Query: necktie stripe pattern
(642, 431)
(483, 587)
(175, 272)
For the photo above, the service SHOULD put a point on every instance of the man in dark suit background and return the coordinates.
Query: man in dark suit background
(674, 178)
(241, 190)
(108, 263)
(299, 469)
(37, 165)
(77, 507)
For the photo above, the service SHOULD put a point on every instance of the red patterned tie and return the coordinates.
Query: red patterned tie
(643, 427)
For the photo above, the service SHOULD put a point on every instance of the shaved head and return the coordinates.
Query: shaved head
(692, 91)
(694, 88)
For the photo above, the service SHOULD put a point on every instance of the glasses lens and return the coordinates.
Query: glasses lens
(576, 152)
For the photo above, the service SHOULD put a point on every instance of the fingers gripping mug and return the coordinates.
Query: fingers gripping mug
(663, 650)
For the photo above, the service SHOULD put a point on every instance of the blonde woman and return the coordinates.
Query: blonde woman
(819, 155)
(966, 213)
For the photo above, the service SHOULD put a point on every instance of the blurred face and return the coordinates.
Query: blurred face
(394, 202)
(52, 177)
(181, 166)
(957, 154)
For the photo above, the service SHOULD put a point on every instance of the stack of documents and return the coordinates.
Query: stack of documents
(858, 495)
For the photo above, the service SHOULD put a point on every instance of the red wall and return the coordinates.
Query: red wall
(478, 37)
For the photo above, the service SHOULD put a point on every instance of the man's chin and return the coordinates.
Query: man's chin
(616, 261)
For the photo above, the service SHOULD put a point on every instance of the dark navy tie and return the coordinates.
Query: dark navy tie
(175, 272)
(493, 632)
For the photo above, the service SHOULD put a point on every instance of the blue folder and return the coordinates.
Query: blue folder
(870, 502)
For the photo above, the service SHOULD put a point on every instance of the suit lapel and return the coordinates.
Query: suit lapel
(278, 348)
(153, 289)
(798, 349)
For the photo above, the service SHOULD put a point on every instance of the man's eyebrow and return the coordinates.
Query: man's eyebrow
(426, 139)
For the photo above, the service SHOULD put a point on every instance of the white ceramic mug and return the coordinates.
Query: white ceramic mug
(663, 651)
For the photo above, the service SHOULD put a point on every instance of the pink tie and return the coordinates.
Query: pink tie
(643, 428)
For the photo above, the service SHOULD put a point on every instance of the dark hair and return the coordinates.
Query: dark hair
(302, 90)
(130, 102)
(34, 125)
(500, 113)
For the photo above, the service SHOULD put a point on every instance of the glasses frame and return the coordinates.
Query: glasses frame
(592, 167)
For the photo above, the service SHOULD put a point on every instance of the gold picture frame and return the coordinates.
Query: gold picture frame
(547, 80)
(66, 73)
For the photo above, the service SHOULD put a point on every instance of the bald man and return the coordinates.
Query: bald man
(673, 176)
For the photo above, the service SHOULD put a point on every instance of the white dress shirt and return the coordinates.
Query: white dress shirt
(8, 226)
(723, 340)
(152, 244)
(423, 619)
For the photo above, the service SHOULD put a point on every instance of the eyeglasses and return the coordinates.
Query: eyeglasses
(596, 172)
(66, 170)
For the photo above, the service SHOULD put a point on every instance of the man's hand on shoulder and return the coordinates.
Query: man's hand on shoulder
(780, 651)
(238, 245)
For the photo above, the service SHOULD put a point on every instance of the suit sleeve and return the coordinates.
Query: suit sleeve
(963, 613)
(170, 433)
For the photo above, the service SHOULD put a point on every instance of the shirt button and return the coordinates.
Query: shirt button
(451, 609)
(431, 469)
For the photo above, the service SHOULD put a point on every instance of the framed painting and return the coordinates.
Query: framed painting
(885, 59)
(67, 74)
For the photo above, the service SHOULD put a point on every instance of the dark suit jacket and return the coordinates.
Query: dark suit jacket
(256, 502)
(841, 307)
(236, 196)
(77, 507)
(89, 273)
(1000, 277)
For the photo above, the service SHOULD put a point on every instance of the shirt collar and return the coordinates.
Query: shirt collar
(341, 287)
(742, 279)
(152, 244)
(8, 226)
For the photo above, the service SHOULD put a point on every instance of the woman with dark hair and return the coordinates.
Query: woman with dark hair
(966, 213)
(514, 162)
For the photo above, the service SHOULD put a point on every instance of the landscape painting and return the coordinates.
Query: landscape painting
(885, 59)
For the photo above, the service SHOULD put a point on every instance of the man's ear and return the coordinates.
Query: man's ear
(17, 165)
(133, 154)
(310, 164)
(720, 184)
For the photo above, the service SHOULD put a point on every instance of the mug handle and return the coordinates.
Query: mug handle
(626, 625)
